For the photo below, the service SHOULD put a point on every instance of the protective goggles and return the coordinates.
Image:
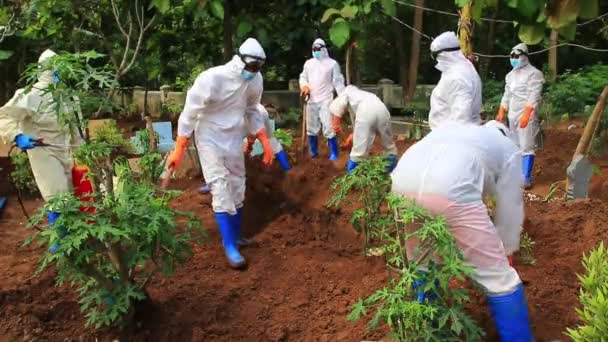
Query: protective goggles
(318, 48)
(434, 54)
(252, 63)
(515, 54)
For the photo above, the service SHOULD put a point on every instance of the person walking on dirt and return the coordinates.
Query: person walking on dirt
(447, 173)
(215, 111)
(523, 89)
(30, 117)
(370, 117)
(257, 118)
(457, 96)
(320, 77)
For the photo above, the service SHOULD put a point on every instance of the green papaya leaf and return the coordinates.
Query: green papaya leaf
(217, 8)
(339, 32)
(568, 32)
(162, 6)
(349, 12)
(244, 28)
(532, 34)
(389, 7)
(329, 13)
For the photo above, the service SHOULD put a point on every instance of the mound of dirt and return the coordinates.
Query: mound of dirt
(305, 272)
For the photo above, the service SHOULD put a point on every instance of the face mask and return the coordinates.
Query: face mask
(56, 78)
(515, 62)
(247, 75)
(316, 54)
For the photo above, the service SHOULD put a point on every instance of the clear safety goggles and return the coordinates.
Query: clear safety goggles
(318, 48)
(516, 54)
(434, 54)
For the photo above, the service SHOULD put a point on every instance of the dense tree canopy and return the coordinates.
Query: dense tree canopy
(155, 42)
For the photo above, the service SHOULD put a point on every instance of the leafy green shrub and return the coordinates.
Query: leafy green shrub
(22, 175)
(492, 95)
(572, 91)
(284, 136)
(393, 220)
(186, 84)
(133, 234)
(291, 119)
(594, 298)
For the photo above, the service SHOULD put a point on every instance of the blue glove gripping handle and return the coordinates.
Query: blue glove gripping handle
(24, 141)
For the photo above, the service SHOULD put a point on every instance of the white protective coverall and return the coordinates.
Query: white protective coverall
(448, 172)
(524, 86)
(215, 111)
(322, 76)
(369, 116)
(33, 114)
(259, 118)
(457, 96)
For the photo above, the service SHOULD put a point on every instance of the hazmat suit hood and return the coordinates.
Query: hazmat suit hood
(447, 48)
(522, 50)
(45, 77)
(249, 51)
(321, 43)
(499, 126)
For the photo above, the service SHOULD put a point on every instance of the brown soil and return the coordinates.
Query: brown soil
(304, 273)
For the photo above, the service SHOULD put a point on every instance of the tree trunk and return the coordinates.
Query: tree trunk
(401, 58)
(553, 56)
(227, 31)
(415, 52)
(485, 68)
(465, 29)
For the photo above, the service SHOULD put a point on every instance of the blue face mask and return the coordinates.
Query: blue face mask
(56, 78)
(247, 75)
(515, 62)
(316, 54)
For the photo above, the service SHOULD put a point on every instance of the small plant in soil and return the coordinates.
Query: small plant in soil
(594, 298)
(110, 246)
(526, 249)
(419, 303)
(371, 183)
(22, 175)
(285, 137)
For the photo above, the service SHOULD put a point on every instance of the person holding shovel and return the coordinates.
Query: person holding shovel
(370, 117)
(447, 173)
(28, 120)
(320, 77)
(523, 89)
(214, 112)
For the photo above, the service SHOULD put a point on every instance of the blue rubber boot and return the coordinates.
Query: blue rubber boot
(236, 229)
(313, 143)
(350, 167)
(510, 313)
(283, 160)
(204, 189)
(420, 294)
(527, 165)
(52, 217)
(224, 224)
(392, 160)
(333, 148)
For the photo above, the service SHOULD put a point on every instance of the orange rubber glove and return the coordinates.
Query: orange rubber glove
(249, 145)
(500, 117)
(336, 124)
(304, 90)
(510, 258)
(268, 152)
(348, 144)
(525, 117)
(178, 152)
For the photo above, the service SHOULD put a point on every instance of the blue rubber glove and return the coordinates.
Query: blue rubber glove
(24, 141)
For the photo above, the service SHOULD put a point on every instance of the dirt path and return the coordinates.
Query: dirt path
(304, 273)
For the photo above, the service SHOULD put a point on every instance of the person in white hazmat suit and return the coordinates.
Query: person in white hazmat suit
(29, 117)
(523, 89)
(370, 117)
(320, 77)
(214, 112)
(447, 173)
(457, 96)
(257, 118)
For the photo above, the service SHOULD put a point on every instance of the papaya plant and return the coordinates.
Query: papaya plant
(128, 234)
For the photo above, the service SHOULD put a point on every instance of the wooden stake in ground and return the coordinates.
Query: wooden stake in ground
(580, 170)
(150, 128)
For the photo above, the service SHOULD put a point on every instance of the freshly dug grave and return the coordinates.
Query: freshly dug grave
(305, 272)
